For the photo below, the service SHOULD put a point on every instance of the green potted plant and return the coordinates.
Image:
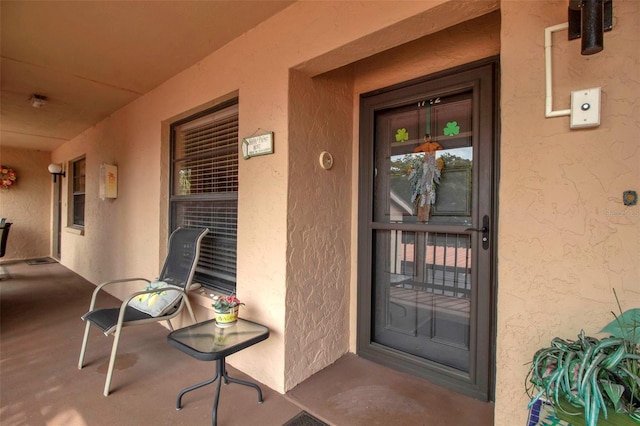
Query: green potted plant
(591, 381)
(226, 310)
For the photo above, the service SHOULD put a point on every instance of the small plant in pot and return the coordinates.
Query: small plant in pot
(591, 381)
(226, 310)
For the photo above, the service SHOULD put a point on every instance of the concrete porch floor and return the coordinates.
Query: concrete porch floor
(40, 337)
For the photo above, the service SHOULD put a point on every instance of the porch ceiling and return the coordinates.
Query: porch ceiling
(92, 58)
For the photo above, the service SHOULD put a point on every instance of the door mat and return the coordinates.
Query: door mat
(41, 261)
(304, 419)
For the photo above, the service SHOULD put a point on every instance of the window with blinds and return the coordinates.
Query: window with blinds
(78, 168)
(204, 189)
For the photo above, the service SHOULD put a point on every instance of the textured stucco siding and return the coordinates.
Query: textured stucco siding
(318, 224)
(565, 238)
(27, 204)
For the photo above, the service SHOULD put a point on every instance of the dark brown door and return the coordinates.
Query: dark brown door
(427, 228)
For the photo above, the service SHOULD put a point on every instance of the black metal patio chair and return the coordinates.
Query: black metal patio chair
(160, 300)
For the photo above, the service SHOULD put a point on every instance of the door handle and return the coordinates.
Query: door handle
(484, 230)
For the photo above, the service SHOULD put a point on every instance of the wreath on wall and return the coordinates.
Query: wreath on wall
(7, 177)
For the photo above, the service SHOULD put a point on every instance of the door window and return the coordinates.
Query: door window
(423, 280)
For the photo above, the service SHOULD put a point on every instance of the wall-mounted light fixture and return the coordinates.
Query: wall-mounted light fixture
(38, 101)
(56, 170)
(588, 20)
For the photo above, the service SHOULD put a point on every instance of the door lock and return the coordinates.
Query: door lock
(484, 230)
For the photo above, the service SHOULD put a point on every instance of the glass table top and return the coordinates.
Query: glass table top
(206, 341)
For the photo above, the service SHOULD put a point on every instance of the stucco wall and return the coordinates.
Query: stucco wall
(318, 223)
(27, 204)
(119, 234)
(469, 41)
(565, 237)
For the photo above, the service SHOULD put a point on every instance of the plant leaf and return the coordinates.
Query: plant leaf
(614, 391)
(626, 326)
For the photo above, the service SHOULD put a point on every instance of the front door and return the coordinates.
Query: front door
(427, 228)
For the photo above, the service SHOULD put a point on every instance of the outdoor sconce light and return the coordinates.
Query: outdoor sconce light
(56, 170)
(589, 19)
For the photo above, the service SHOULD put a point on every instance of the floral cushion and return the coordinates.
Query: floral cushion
(156, 304)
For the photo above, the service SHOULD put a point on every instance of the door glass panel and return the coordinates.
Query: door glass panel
(422, 207)
(423, 163)
(423, 295)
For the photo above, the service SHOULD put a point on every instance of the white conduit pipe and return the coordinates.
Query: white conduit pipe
(547, 62)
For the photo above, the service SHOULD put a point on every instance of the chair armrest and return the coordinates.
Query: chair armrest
(100, 286)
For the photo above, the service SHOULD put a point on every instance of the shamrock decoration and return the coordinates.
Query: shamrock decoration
(452, 129)
(402, 135)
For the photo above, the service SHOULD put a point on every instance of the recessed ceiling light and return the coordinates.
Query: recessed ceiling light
(38, 101)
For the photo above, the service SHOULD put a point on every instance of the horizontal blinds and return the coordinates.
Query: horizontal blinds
(203, 176)
(205, 173)
(217, 264)
(206, 156)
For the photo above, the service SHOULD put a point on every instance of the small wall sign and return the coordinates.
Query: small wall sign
(254, 146)
(108, 187)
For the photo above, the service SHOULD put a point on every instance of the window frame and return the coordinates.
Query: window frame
(75, 192)
(210, 200)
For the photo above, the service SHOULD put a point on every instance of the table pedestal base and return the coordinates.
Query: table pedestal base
(221, 373)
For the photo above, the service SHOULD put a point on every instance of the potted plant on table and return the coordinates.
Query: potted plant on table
(590, 381)
(226, 310)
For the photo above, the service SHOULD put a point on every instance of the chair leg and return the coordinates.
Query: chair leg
(191, 314)
(84, 345)
(112, 360)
